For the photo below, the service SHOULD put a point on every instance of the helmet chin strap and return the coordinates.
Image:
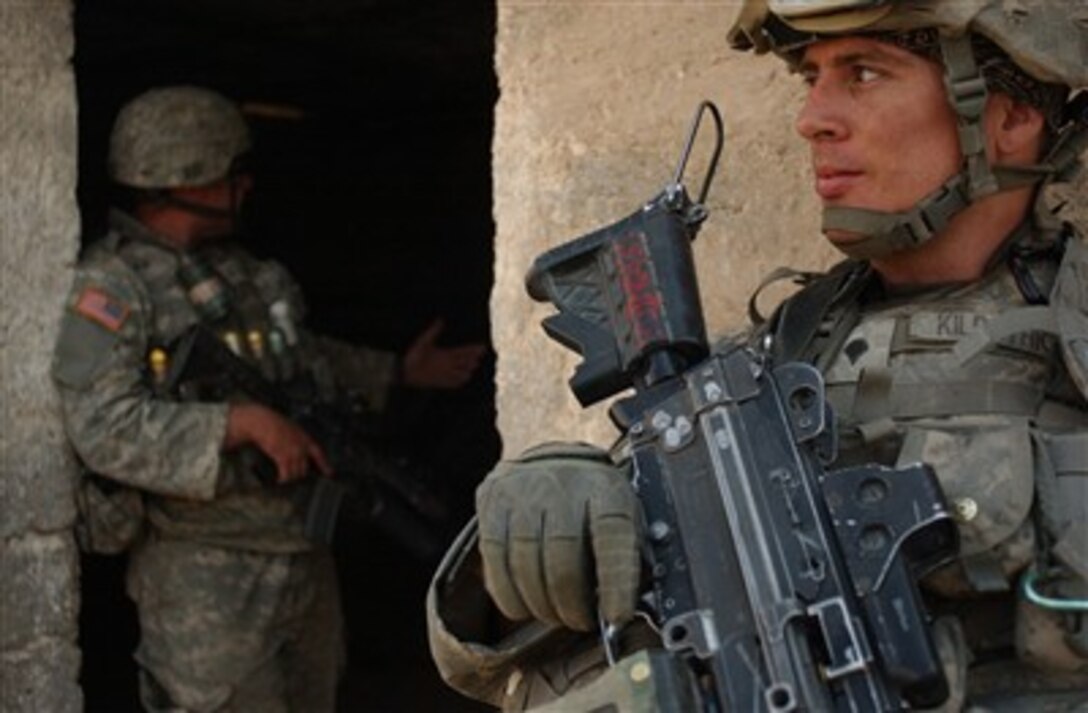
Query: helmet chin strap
(230, 214)
(200, 209)
(885, 233)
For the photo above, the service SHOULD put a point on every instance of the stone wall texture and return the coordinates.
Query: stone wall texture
(39, 660)
(596, 100)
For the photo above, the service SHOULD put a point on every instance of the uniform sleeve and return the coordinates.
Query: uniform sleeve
(114, 421)
(459, 614)
(514, 666)
(370, 373)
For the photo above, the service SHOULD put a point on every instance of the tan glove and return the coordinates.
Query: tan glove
(559, 536)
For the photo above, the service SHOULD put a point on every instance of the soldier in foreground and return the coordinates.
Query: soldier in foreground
(953, 336)
(238, 609)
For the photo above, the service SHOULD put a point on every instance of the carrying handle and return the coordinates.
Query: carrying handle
(705, 106)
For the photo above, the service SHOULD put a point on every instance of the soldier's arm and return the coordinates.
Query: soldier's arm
(425, 365)
(514, 666)
(287, 445)
(113, 419)
(470, 642)
(370, 373)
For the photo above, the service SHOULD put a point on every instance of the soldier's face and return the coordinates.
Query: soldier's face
(876, 117)
(223, 199)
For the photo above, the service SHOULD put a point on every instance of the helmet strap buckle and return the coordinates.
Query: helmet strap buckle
(967, 94)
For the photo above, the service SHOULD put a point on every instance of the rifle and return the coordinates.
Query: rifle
(389, 494)
(775, 583)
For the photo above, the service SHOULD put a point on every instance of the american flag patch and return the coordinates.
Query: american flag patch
(99, 307)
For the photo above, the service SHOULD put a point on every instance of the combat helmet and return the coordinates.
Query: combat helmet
(176, 136)
(1036, 50)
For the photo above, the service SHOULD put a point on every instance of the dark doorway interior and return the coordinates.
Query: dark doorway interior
(372, 121)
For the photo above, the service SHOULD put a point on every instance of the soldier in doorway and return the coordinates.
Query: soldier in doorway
(238, 609)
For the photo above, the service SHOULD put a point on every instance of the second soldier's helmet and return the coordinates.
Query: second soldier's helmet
(176, 136)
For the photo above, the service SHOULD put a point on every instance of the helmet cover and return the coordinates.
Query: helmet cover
(176, 136)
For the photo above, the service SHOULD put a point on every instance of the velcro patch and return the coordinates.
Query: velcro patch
(102, 308)
(957, 326)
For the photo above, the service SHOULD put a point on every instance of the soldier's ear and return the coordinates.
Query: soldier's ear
(1015, 130)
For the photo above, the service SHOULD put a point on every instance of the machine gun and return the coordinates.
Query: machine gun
(384, 492)
(775, 583)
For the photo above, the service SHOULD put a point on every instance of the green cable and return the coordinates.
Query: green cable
(1027, 584)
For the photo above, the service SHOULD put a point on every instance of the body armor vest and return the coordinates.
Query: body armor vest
(982, 383)
(234, 294)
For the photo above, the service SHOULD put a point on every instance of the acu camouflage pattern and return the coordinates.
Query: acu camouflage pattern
(111, 518)
(176, 136)
(224, 569)
(972, 381)
(904, 394)
(1046, 38)
(231, 630)
(122, 430)
(945, 377)
(640, 683)
(1071, 311)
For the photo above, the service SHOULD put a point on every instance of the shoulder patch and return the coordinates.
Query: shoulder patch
(102, 308)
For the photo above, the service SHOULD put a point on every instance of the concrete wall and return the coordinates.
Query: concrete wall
(596, 99)
(39, 661)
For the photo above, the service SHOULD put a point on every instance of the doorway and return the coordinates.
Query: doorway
(372, 123)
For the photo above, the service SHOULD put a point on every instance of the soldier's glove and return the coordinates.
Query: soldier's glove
(559, 536)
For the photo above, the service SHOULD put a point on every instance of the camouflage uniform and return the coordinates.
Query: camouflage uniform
(930, 376)
(971, 381)
(238, 610)
(986, 382)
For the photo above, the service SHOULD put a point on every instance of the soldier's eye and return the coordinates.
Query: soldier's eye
(865, 75)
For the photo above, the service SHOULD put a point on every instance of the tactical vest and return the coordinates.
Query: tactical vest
(986, 384)
(252, 306)
(254, 310)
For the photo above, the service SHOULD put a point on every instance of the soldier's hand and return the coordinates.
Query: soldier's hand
(286, 444)
(429, 366)
(559, 537)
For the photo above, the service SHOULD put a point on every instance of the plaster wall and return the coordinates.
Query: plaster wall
(39, 660)
(596, 101)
